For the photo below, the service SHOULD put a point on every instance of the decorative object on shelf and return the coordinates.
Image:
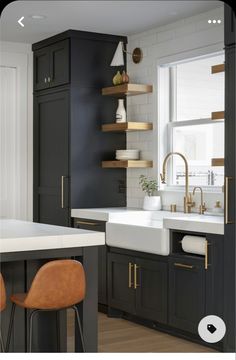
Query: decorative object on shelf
(121, 112)
(151, 202)
(118, 58)
(127, 154)
(125, 77)
(117, 79)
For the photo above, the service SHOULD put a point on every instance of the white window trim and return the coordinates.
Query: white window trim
(165, 145)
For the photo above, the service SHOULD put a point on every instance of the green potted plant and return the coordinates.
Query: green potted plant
(149, 186)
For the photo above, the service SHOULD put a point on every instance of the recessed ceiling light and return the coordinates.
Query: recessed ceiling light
(38, 17)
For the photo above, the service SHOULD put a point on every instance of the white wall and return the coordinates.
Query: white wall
(187, 38)
(16, 131)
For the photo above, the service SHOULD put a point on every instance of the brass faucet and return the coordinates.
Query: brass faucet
(202, 207)
(188, 203)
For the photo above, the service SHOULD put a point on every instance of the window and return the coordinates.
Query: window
(194, 93)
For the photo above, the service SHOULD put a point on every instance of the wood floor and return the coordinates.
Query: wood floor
(118, 335)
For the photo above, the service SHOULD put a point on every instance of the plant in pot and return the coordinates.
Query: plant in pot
(149, 186)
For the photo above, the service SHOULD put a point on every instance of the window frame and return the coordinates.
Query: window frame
(170, 77)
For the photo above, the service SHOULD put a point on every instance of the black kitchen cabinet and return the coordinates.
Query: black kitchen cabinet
(96, 225)
(51, 65)
(69, 111)
(138, 286)
(186, 293)
(51, 157)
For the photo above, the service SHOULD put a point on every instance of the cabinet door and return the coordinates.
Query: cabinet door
(95, 225)
(120, 295)
(41, 68)
(151, 293)
(51, 182)
(186, 294)
(59, 63)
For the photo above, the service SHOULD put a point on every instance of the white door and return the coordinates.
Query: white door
(13, 136)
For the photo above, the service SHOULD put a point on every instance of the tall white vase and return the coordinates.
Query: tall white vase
(121, 112)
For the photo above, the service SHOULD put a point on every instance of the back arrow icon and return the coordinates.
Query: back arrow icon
(20, 21)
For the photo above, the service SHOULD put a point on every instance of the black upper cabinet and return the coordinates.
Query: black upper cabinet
(51, 65)
(69, 71)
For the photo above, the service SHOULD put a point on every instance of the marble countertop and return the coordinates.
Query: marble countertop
(17, 235)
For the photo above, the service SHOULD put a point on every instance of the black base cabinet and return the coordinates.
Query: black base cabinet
(186, 293)
(138, 285)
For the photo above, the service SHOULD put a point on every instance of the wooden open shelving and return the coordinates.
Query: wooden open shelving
(127, 164)
(127, 126)
(217, 115)
(127, 90)
(217, 68)
(218, 162)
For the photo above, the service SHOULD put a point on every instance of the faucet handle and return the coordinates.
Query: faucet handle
(162, 176)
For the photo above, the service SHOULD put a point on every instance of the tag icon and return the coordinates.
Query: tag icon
(211, 328)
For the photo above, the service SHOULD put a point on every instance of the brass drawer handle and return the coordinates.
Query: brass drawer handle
(130, 275)
(227, 221)
(135, 276)
(62, 191)
(80, 222)
(183, 266)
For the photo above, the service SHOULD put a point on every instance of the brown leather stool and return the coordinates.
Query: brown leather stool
(58, 285)
(2, 306)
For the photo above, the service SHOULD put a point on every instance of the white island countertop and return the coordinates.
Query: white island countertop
(17, 235)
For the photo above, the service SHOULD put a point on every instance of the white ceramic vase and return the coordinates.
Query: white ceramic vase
(121, 112)
(152, 203)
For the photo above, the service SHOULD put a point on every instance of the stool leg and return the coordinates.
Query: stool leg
(31, 328)
(79, 326)
(10, 326)
(58, 332)
(1, 342)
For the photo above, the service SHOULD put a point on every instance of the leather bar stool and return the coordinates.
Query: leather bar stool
(2, 306)
(59, 284)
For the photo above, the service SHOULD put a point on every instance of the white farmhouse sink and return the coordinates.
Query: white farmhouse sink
(139, 234)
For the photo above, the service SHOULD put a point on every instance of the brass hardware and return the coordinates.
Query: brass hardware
(80, 222)
(188, 204)
(227, 221)
(173, 207)
(202, 207)
(206, 255)
(130, 275)
(183, 266)
(45, 80)
(62, 192)
(135, 276)
(49, 79)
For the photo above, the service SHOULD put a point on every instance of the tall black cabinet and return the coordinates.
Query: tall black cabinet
(230, 175)
(70, 69)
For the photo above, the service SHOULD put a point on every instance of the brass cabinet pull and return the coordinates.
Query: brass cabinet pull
(81, 222)
(49, 79)
(183, 266)
(62, 191)
(135, 276)
(130, 275)
(206, 255)
(227, 221)
(45, 80)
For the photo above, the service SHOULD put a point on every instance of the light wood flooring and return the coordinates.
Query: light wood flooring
(119, 335)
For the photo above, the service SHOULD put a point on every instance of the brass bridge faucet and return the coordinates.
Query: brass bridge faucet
(188, 203)
(202, 207)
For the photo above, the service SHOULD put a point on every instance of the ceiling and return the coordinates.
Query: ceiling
(112, 17)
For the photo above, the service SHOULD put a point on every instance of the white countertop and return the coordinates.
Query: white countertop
(17, 235)
(178, 221)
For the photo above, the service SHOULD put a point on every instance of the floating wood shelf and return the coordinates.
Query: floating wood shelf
(217, 68)
(217, 115)
(127, 126)
(127, 89)
(127, 164)
(218, 162)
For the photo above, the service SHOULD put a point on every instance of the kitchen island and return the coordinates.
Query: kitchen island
(24, 248)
